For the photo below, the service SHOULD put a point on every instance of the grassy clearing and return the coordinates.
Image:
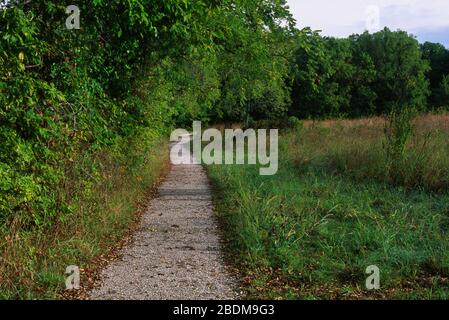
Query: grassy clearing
(334, 209)
(104, 191)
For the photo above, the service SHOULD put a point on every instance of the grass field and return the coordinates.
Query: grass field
(337, 206)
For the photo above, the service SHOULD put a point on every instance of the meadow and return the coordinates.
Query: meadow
(338, 205)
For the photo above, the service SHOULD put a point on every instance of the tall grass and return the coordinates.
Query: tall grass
(361, 150)
(333, 210)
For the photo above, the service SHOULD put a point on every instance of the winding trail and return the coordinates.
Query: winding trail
(176, 252)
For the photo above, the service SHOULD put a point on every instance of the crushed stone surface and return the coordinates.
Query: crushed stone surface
(176, 251)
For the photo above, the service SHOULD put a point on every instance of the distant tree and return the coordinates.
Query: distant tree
(312, 70)
(333, 78)
(442, 93)
(401, 71)
(438, 57)
(363, 96)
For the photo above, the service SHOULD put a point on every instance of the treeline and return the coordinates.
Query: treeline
(368, 74)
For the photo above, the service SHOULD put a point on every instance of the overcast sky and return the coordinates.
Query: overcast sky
(427, 19)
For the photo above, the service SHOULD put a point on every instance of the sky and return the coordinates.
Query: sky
(428, 20)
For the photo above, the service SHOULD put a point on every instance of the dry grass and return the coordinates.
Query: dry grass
(356, 147)
(422, 122)
(347, 123)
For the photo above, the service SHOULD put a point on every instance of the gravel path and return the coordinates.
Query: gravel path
(176, 252)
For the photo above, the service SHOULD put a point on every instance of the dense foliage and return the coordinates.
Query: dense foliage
(135, 67)
(438, 57)
(367, 74)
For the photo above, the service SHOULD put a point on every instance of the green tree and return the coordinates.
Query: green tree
(333, 78)
(253, 60)
(442, 93)
(401, 71)
(312, 70)
(363, 96)
(438, 57)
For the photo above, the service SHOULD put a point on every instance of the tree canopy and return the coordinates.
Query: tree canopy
(148, 65)
(363, 75)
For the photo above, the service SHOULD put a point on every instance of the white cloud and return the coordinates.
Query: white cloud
(344, 17)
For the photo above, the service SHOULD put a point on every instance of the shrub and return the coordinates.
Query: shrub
(399, 130)
(294, 123)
